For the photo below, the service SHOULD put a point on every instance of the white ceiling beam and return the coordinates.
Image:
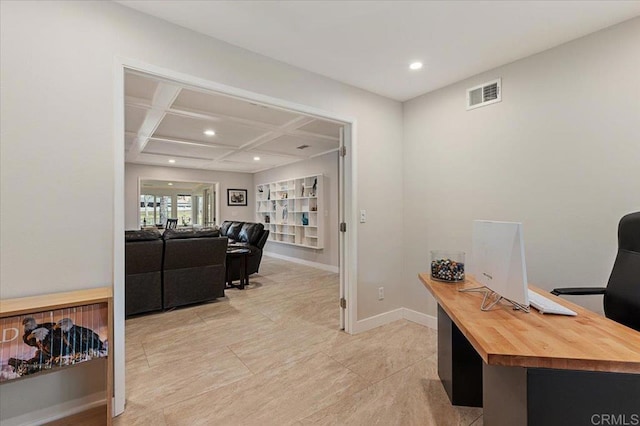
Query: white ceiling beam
(296, 123)
(216, 117)
(285, 129)
(279, 154)
(304, 133)
(324, 153)
(191, 142)
(135, 102)
(187, 157)
(163, 97)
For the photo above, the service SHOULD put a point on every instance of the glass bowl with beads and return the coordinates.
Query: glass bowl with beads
(447, 266)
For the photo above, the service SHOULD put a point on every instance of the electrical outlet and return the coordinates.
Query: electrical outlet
(363, 216)
(380, 293)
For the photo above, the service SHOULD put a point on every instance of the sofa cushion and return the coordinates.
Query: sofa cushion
(180, 233)
(174, 234)
(207, 232)
(142, 235)
(250, 233)
(233, 232)
(224, 228)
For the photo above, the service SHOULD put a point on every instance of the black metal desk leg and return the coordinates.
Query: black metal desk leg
(459, 365)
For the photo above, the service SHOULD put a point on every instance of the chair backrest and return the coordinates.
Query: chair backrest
(622, 297)
(172, 223)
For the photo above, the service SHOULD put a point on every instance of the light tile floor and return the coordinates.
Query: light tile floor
(272, 355)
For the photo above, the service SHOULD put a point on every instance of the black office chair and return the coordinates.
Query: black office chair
(172, 223)
(622, 294)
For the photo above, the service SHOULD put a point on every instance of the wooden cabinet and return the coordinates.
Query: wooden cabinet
(46, 333)
(292, 210)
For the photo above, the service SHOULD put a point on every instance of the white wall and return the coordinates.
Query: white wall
(226, 179)
(560, 153)
(328, 166)
(58, 132)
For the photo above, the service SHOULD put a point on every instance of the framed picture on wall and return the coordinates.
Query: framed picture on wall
(236, 197)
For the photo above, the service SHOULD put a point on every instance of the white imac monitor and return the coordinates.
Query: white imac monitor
(498, 259)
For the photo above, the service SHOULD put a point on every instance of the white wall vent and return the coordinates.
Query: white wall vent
(484, 94)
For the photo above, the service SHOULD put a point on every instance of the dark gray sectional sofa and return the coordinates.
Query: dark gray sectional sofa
(143, 271)
(179, 267)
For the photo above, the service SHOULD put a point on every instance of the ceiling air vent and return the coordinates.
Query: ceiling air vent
(484, 94)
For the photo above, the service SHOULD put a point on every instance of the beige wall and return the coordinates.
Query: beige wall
(560, 153)
(226, 180)
(58, 132)
(328, 166)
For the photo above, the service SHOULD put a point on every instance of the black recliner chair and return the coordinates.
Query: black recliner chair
(247, 235)
(622, 294)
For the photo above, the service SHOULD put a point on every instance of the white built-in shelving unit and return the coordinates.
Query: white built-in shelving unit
(292, 210)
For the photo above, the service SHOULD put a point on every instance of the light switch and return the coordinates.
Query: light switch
(363, 216)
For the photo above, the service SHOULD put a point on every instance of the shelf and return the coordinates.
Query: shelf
(296, 244)
(50, 302)
(302, 195)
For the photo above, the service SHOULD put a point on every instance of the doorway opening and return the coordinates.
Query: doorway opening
(144, 144)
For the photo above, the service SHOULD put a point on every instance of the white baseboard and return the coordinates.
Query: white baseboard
(377, 320)
(57, 412)
(394, 315)
(420, 318)
(316, 265)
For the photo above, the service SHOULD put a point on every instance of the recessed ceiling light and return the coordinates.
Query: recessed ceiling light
(209, 132)
(256, 158)
(172, 161)
(415, 65)
(170, 184)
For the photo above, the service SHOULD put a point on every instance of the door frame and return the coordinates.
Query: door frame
(348, 242)
(214, 185)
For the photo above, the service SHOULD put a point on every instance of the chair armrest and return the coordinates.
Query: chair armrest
(578, 291)
(263, 239)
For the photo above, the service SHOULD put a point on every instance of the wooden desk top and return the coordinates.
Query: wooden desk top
(504, 336)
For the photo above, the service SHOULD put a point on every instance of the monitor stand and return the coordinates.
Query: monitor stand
(491, 299)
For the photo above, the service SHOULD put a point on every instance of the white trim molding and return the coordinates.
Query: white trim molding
(324, 267)
(420, 318)
(378, 320)
(395, 315)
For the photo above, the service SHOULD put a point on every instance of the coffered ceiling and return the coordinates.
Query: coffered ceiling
(165, 125)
